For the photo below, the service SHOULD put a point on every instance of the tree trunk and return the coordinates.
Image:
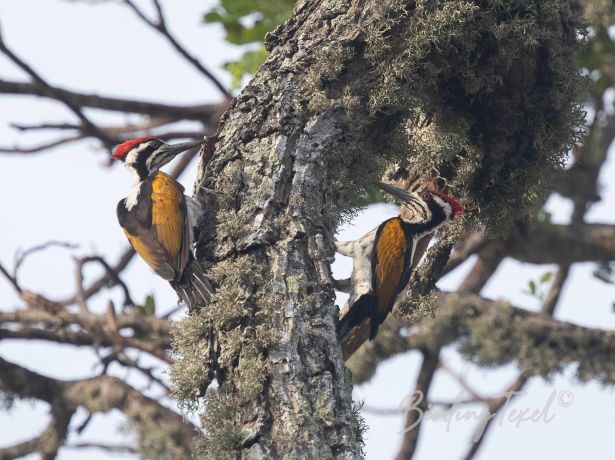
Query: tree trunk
(337, 99)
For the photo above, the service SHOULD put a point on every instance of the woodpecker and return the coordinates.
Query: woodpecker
(382, 259)
(159, 220)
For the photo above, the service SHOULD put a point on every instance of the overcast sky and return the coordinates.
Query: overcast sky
(67, 194)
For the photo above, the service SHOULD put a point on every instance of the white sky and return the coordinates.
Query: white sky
(67, 195)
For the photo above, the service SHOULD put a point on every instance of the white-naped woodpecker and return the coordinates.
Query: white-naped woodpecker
(159, 220)
(382, 259)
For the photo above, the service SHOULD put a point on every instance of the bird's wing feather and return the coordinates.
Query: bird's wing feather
(169, 219)
(156, 227)
(392, 261)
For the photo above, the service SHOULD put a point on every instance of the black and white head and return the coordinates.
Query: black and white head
(426, 206)
(145, 155)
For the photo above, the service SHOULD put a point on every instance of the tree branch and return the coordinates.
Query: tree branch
(206, 113)
(88, 127)
(544, 243)
(161, 27)
(101, 394)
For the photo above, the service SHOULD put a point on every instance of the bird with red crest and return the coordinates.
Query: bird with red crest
(383, 258)
(159, 220)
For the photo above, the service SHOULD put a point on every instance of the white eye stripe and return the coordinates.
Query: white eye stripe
(133, 155)
(445, 205)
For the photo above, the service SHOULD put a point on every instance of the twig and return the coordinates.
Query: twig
(104, 280)
(555, 291)
(41, 147)
(475, 396)
(21, 256)
(80, 295)
(85, 423)
(494, 406)
(44, 126)
(112, 448)
(114, 277)
(10, 278)
(161, 26)
(87, 125)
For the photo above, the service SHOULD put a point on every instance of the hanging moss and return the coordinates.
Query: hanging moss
(499, 81)
(193, 370)
(222, 440)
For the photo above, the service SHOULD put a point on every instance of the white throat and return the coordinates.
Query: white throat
(131, 199)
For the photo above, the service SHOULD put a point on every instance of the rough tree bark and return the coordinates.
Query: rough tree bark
(319, 121)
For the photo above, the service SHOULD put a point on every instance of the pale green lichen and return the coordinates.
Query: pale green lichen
(499, 81)
(222, 440)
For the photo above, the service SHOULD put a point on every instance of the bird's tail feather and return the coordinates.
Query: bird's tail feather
(358, 312)
(194, 288)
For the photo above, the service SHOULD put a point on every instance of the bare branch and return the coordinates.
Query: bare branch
(489, 258)
(43, 324)
(494, 406)
(563, 244)
(412, 425)
(111, 448)
(99, 394)
(21, 256)
(467, 246)
(104, 280)
(206, 113)
(88, 126)
(461, 381)
(41, 147)
(161, 27)
(48, 442)
(45, 126)
(113, 275)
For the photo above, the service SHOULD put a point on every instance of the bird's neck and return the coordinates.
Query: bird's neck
(139, 178)
(140, 173)
(417, 230)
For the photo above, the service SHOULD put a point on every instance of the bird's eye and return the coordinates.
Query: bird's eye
(155, 144)
(426, 196)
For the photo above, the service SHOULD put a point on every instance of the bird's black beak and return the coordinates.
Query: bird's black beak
(171, 150)
(397, 192)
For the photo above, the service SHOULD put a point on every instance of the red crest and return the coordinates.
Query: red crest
(122, 150)
(457, 208)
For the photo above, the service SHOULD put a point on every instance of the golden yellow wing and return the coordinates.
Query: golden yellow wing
(156, 227)
(168, 213)
(392, 269)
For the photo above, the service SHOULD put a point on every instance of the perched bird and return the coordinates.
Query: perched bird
(159, 220)
(382, 259)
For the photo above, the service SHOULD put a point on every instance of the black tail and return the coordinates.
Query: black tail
(194, 288)
(358, 312)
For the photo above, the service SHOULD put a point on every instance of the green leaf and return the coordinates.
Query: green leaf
(546, 277)
(246, 66)
(148, 308)
(150, 305)
(532, 285)
(246, 22)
